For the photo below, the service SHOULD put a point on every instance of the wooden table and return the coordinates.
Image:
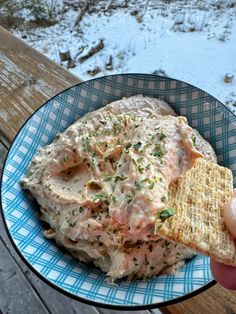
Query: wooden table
(27, 80)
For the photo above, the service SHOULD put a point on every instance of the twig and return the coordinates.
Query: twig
(92, 51)
(82, 12)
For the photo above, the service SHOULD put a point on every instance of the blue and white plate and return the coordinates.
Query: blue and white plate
(56, 267)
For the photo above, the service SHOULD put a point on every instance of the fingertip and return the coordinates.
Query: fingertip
(225, 275)
(229, 215)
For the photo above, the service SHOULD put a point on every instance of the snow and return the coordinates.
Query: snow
(194, 41)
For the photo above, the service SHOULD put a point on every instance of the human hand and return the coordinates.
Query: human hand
(226, 275)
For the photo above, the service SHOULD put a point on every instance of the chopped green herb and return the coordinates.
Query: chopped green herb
(165, 214)
(100, 197)
(194, 140)
(161, 136)
(128, 198)
(139, 167)
(158, 151)
(94, 161)
(140, 159)
(49, 187)
(117, 128)
(137, 145)
(163, 199)
(113, 198)
(138, 185)
(146, 146)
(86, 141)
(148, 167)
(152, 136)
(107, 179)
(120, 177)
(127, 146)
(151, 186)
(71, 224)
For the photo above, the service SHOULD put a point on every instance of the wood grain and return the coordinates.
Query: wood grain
(27, 80)
(25, 300)
(216, 299)
(3, 152)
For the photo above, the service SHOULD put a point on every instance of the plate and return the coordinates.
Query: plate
(215, 122)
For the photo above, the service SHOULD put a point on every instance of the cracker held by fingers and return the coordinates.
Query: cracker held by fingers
(194, 216)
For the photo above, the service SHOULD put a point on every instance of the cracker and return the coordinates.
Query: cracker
(198, 200)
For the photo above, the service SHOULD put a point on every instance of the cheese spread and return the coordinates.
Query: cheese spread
(102, 182)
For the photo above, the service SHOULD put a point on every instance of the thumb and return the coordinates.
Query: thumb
(225, 275)
(229, 215)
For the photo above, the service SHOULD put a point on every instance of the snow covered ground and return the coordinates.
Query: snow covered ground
(194, 41)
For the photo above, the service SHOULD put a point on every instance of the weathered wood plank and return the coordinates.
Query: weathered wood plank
(56, 301)
(3, 152)
(27, 80)
(16, 294)
(216, 299)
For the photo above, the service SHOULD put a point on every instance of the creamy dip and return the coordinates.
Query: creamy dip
(102, 182)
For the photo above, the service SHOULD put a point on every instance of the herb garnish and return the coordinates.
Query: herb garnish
(117, 128)
(158, 151)
(137, 164)
(120, 177)
(86, 141)
(161, 136)
(128, 198)
(194, 140)
(138, 185)
(107, 179)
(140, 159)
(49, 187)
(163, 199)
(127, 146)
(100, 197)
(151, 186)
(113, 198)
(137, 145)
(165, 214)
(71, 224)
